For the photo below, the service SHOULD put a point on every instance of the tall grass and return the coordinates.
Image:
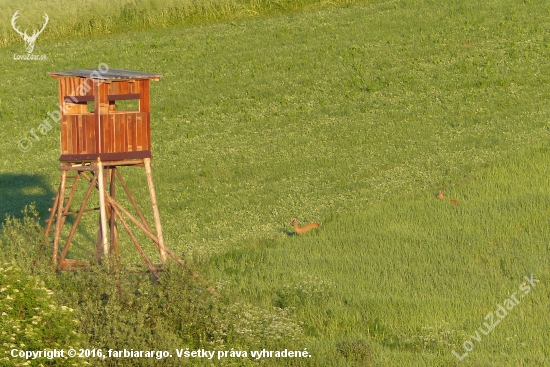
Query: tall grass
(100, 310)
(91, 18)
(416, 275)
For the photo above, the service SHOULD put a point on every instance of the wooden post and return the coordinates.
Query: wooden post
(77, 220)
(52, 214)
(138, 247)
(53, 210)
(101, 107)
(112, 219)
(156, 215)
(102, 211)
(132, 200)
(98, 243)
(59, 221)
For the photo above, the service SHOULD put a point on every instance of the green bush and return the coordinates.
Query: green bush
(24, 243)
(118, 309)
(32, 319)
(132, 312)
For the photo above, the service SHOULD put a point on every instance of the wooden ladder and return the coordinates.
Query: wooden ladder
(67, 200)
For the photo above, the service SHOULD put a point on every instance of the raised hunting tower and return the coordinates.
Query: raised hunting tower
(96, 138)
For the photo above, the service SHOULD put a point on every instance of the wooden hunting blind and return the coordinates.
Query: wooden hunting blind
(96, 138)
(91, 124)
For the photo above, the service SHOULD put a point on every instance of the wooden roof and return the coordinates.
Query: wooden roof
(110, 74)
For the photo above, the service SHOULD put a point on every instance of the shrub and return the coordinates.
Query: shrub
(32, 319)
(24, 243)
(118, 309)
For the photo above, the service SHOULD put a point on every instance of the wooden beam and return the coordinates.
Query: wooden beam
(102, 210)
(123, 97)
(112, 219)
(65, 167)
(136, 244)
(53, 210)
(156, 215)
(98, 244)
(119, 209)
(78, 99)
(77, 220)
(110, 97)
(101, 108)
(59, 222)
(71, 195)
(132, 200)
(144, 103)
(69, 264)
(106, 157)
(134, 162)
(144, 227)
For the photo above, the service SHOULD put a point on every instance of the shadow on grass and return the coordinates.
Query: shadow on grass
(18, 190)
(287, 232)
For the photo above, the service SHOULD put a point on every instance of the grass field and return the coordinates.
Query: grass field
(85, 18)
(353, 116)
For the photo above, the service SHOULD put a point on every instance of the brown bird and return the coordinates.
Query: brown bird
(303, 229)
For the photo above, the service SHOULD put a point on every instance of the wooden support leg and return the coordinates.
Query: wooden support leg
(132, 200)
(142, 225)
(59, 221)
(136, 244)
(118, 210)
(99, 244)
(71, 194)
(156, 215)
(112, 216)
(53, 210)
(102, 211)
(77, 220)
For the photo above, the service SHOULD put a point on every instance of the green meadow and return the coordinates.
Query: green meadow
(85, 18)
(352, 115)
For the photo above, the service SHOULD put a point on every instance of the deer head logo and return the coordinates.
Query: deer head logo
(29, 40)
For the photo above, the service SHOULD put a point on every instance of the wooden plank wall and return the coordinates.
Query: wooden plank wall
(145, 107)
(74, 86)
(126, 87)
(78, 134)
(121, 131)
(78, 128)
(126, 132)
